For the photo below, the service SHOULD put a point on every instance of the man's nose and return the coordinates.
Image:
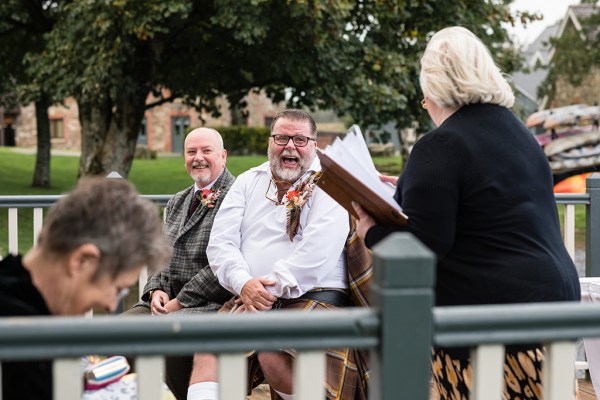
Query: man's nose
(290, 144)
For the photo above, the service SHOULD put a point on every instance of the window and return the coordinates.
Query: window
(179, 125)
(268, 121)
(56, 129)
(143, 133)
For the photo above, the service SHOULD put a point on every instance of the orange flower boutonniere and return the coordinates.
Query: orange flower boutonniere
(296, 199)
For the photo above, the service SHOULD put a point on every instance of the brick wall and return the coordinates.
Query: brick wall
(158, 121)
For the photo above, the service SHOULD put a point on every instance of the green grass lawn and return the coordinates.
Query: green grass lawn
(165, 175)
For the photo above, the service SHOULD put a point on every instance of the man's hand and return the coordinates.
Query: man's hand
(173, 305)
(365, 221)
(158, 301)
(255, 296)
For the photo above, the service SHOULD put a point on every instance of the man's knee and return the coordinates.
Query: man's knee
(277, 368)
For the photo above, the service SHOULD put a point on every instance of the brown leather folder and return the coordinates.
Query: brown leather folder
(344, 188)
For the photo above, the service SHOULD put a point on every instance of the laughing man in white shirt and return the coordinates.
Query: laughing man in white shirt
(278, 242)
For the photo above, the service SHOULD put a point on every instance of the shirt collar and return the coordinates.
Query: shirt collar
(210, 185)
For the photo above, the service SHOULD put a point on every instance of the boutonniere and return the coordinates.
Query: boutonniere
(296, 199)
(208, 197)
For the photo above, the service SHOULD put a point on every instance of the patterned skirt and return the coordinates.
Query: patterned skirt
(451, 377)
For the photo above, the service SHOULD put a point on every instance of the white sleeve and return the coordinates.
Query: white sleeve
(223, 250)
(317, 254)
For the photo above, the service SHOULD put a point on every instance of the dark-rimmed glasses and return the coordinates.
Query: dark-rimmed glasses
(298, 140)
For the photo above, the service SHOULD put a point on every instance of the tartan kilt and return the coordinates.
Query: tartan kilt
(346, 371)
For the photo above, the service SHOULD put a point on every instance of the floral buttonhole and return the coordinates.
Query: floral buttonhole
(296, 199)
(208, 197)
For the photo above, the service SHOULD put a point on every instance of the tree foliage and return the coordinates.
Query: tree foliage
(23, 25)
(359, 58)
(577, 55)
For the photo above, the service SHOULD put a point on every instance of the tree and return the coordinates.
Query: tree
(576, 55)
(359, 58)
(22, 26)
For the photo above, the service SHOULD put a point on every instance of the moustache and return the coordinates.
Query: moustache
(289, 153)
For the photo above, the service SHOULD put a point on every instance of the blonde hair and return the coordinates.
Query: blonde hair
(458, 69)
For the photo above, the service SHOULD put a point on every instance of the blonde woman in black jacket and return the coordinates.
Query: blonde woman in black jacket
(478, 191)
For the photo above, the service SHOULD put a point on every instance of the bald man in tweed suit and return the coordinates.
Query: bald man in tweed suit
(187, 284)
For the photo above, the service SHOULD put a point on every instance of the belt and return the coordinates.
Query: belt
(338, 298)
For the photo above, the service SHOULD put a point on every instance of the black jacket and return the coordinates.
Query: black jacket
(18, 297)
(478, 191)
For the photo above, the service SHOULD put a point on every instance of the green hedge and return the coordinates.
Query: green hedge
(244, 140)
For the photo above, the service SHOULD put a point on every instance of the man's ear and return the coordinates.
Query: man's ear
(224, 157)
(84, 258)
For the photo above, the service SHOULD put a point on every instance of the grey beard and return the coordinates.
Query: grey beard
(286, 174)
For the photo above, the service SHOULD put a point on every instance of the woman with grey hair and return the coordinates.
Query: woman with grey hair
(92, 247)
(478, 191)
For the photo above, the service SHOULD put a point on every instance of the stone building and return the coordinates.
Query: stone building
(589, 90)
(540, 54)
(163, 127)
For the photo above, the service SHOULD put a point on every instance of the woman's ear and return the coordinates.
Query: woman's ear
(85, 258)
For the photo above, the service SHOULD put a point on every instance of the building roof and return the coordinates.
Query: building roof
(540, 51)
(536, 54)
(528, 82)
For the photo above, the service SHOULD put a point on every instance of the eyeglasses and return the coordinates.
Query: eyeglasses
(298, 140)
(277, 202)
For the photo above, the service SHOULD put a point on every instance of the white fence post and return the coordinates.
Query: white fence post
(558, 382)
(309, 375)
(149, 377)
(487, 372)
(68, 382)
(232, 367)
(13, 231)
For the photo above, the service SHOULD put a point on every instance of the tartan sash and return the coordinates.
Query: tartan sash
(359, 263)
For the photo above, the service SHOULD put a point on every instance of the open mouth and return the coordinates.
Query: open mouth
(289, 162)
(200, 166)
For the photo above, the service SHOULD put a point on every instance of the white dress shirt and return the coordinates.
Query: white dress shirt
(249, 240)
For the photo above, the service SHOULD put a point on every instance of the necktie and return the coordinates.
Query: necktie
(193, 205)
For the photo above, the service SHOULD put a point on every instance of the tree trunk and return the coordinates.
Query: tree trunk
(109, 134)
(41, 174)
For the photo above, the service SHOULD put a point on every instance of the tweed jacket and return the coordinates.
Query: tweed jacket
(188, 275)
